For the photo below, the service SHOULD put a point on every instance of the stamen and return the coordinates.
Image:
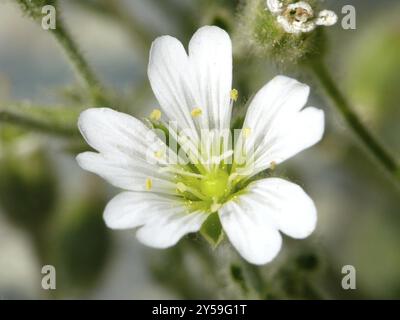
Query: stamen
(232, 177)
(246, 132)
(196, 112)
(181, 172)
(226, 154)
(234, 94)
(155, 115)
(222, 157)
(149, 184)
(181, 187)
(191, 151)
(272, 165)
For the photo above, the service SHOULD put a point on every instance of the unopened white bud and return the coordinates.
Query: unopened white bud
(326, 18)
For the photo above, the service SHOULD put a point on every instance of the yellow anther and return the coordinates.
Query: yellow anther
(196, 112)
(215, 207)
(149, 184)
(272, 165)
(246, 132)
(155, 115)
(181, 187)
(234, 94)
(158, 154)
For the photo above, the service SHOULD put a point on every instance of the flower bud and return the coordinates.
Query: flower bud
(287, 31)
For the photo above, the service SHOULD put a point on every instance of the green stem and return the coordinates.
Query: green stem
(341, 103)
(36, 125)
(80, 64)
(71, 49)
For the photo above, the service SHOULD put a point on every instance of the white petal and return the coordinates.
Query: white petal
(280, 96)
(285, 203)
(163, 219)
(295, 135)
(275, 6)
(124, 144)
(253, 219)
(279, 129)
(210, 56)
(250, 231)
(166, 229)
(130, 209)
(127, 173)
(110, 132)
(172, 82)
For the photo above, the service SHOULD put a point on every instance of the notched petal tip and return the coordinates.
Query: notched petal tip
(82, 158)
(162, 46)
(317, 117)
(285, 81)
(209, 30)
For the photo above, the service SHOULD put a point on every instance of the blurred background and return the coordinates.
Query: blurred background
(51, 210)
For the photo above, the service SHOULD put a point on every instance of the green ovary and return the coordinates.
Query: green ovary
(205, 193)
(214, 185)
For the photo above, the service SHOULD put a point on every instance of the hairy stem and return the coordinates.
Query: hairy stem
(71, 49)
(80, 64)
(341, 103)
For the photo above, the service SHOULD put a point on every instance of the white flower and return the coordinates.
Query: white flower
(299, 17)
(168, 200)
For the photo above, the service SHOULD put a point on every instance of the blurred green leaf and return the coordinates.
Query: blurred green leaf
(211, 229)
(81, 245)
(28, 189)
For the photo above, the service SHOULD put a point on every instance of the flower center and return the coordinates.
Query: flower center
(299, 14)
(214, 184)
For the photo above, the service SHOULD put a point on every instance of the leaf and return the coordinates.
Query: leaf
(211, 230)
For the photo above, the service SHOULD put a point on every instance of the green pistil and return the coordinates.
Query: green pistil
(215, 185)
(205, 193)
